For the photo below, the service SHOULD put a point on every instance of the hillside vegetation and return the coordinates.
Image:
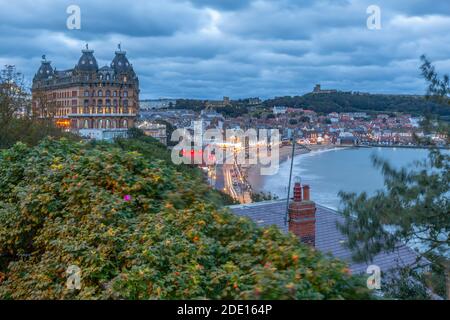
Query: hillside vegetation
(352, 102)
(139, 228)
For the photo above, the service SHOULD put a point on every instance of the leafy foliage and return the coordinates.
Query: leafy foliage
(153, 149)
(357, 102)
(414, 209)
(16, 120)
(405, 284)
(62, 204)
(262, 196)
(415, 206)
(438, 91)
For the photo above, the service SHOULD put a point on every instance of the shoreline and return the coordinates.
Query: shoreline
(256, 180)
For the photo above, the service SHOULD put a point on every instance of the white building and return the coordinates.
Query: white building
(279, 110)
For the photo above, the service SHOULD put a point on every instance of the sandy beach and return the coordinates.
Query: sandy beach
(253, 172)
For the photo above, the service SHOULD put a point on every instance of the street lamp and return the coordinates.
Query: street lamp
(290, 180)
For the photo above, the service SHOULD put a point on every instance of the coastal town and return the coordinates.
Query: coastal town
(309, 129)
(200, 151)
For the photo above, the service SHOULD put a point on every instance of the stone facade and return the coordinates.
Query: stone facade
(88, 98)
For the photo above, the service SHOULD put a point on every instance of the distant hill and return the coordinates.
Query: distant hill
(357, 102)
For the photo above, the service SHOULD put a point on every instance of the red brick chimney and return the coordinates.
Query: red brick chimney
(302, 215)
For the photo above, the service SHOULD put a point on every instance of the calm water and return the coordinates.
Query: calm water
(331, 171)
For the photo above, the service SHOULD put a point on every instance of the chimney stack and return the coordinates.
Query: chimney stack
(298, 192)
(302, 215)
(306, 195)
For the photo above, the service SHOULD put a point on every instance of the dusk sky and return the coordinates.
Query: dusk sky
(214, 48)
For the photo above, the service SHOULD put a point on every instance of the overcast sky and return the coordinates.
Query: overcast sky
(237, 48)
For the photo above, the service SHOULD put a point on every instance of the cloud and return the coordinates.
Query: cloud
(208, 49)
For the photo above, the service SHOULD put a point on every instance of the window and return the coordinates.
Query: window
(125, 124)
(125, 103)
(108, 93)
(86, 103)
(115, 94)
(100, 93)
(108, 77)
(86, 93)
(125, 94)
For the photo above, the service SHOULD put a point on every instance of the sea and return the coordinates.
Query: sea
(341, 169)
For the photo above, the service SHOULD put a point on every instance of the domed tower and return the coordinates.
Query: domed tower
(87, 61)
(120, 63)
(45, 71)
(123, 69)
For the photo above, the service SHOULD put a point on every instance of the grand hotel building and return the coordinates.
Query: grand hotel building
(99, 103)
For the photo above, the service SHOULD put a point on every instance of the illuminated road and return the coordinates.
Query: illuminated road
(235, 185)
(229, 181)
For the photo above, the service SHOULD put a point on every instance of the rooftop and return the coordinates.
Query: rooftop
(328, 238)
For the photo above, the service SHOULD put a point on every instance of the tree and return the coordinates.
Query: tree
(413, 207)
(262, 196)
(13, 101)
(13, 97)
(438, 91)
(438, 88)
(305, 119)
(18, 122)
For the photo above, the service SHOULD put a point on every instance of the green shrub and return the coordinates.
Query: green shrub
(62, 204)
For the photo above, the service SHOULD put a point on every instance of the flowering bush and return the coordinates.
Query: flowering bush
(138, 229)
